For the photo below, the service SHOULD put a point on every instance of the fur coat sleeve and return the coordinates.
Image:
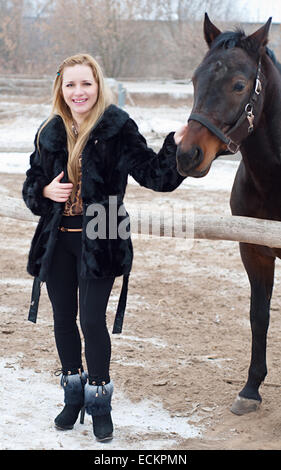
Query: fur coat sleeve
(35, 181)
(151, 170)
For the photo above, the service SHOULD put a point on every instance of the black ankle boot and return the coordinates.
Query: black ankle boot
(68, 416)
(73, 383)
(98, 405)
(103, 427)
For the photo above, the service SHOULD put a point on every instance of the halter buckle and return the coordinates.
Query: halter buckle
(258, 87)
(250, 117)
(232, 146)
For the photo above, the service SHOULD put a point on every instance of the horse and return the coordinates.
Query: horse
(237, 106)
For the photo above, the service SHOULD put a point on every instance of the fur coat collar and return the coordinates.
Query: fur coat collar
(53, 136)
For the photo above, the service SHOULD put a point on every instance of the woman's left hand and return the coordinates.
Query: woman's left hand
(179, 134)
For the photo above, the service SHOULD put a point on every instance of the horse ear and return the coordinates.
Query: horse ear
(210, 30)
(260, 37)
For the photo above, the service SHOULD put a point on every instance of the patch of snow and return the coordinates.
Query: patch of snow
(30, 402)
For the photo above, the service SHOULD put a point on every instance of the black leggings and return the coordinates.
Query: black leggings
(63, 283)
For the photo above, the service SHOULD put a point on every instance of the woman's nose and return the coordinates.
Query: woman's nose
(78, 90)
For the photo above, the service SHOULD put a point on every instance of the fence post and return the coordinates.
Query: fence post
(121, 95)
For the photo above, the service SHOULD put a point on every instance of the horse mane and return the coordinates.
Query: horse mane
(238, 38)
(271, 54)
(229, 39)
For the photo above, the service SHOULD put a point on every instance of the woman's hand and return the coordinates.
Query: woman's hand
(179, 134)
(56, 191)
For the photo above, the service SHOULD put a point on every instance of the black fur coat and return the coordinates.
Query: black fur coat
(115, 149)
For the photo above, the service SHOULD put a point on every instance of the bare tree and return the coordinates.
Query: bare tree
(11, 14)
(110, 29)
(182, 30)
(136, 38)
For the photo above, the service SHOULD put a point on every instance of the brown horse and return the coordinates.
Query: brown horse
(237, 105)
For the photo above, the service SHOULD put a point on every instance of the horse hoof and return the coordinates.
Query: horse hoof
(242, 405)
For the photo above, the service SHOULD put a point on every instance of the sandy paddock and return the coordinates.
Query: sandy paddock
(185, 345)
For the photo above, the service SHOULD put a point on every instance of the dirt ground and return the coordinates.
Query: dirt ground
(186, 335)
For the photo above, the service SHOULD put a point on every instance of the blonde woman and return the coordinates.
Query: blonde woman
(83, 155)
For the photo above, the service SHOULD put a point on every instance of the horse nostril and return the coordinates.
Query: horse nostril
(189, 160)
(197, 153)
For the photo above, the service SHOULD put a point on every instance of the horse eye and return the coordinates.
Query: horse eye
(239, 86)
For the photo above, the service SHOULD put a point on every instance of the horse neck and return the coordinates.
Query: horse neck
(261, 152)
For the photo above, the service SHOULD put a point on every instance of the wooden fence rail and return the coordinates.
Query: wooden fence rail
(211, 227)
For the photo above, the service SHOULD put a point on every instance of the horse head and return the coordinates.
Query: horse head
(228, 97)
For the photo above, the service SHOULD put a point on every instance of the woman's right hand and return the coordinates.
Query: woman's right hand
(56, 191)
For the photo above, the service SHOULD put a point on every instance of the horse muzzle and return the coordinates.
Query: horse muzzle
(189, 161)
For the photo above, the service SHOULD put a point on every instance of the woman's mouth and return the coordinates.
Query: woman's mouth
(80, 101)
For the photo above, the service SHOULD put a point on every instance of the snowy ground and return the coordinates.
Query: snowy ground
(22, 418)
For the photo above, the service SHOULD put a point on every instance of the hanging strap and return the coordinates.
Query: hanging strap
(35, 297)
(119, 317)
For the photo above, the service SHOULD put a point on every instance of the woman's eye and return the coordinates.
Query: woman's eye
(239, 86)
(85, 84)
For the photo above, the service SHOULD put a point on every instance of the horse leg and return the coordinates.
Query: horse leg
(260, 270)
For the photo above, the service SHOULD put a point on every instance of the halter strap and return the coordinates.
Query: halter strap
(207, 123)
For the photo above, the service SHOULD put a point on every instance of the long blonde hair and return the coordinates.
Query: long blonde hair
(75, 144)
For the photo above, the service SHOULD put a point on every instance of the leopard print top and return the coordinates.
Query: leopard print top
(75, 207)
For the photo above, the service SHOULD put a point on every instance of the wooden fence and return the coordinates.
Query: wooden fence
(211, 227)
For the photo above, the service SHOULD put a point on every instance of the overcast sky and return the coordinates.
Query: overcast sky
(253, 11)
(246, 10)
(260, 10)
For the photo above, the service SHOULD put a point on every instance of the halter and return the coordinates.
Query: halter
(233, 135)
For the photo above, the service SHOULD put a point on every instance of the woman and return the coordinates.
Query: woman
(83, 155)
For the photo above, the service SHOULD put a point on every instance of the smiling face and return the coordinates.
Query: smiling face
(80, 90)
